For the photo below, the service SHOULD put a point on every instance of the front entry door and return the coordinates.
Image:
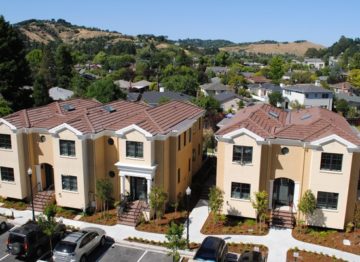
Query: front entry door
(283, 192)
(138, 188)
(49, 176)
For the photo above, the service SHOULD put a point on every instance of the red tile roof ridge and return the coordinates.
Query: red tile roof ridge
(255, 123)
(153, 121)
(88, 122)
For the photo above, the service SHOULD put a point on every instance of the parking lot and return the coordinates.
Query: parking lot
(109, 252)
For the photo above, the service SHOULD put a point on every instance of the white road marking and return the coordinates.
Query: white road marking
(4, 257)
(142, 256)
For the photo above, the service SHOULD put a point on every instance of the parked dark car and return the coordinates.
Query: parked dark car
(30, 241)
(251, 256)
(212, 249)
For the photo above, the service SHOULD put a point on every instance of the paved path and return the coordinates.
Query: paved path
(278, 240)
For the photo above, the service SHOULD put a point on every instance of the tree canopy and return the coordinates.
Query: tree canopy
(104, 90)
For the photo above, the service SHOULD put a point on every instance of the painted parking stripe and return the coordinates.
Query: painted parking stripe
(4, 257)
(142, 256)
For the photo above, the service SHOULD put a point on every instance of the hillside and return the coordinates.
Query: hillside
(45, 31)
(297, 48)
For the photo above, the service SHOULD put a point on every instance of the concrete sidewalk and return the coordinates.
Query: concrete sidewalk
(278, 240)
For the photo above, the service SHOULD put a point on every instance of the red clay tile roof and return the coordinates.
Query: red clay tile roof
(305, 125)
(89, 116)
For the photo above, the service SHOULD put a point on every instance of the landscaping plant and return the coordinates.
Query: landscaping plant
(104, 189)
(175, 241)
(260, 204)
(216, 201)
(307, 204)
(157, 198)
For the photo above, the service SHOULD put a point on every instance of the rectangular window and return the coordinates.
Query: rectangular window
(185, 138)
(7, 174)
(242, 154)
(5, 141)
(240, 190)
(325, 95)
(327, 200)
(190, 135)
(179, 142)
(332, 162)
(178, 175)
(134, 149)
(199, 149)
(69, 183)
(189, 163)
(67, 148)
(199, 123)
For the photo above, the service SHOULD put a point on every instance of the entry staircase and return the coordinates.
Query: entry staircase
(282, 218)
(41, 199)
(129, 212)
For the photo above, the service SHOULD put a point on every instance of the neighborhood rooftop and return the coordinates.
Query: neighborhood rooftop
(89, 116)
(305, 125)
(306, 88)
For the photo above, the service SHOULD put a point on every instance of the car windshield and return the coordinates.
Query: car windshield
(65, 247)
(205, 254)
(13, 238)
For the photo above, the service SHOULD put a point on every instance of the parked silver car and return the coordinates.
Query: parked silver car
(78, 245)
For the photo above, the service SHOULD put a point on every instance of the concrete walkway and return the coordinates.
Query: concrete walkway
(278, 240)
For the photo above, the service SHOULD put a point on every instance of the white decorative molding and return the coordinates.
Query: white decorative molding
(122, 132)
(331, 138)
(242, 131)
(59, 128)
(147, 172)
(11, 126)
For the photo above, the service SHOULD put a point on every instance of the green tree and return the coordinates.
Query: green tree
(48, 67)
(216, 201)
(222, 58)
(41, 91)
(260, 204)
(34, 58)
(307, 204)
(100, 58)
(208, 103)
(355, 61)
(104, 190)
(352, 113)
(275, 98)
(64, 65)
(295, 105)
(342, 106)
(175, 240)
(116, 62)
(104, 90)
(354, 77)
(181, 83)
(157, 199)
(14, 69)
(79, 85)
(276, 67)
(48, 223)
(5, 108)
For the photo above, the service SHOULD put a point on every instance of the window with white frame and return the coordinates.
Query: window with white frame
(5, 141)
(7, 174)
(327, 200)
(242, 154)
(331, 161)
(240, 190)
(69, 183)
(67, 147)
(134, 149)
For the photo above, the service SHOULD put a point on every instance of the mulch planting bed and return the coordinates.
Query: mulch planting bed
(161, 226)
(310, 256)
(108, 219)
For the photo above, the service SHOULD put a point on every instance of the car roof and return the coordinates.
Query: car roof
(209, 247)
(26, 229)
(74, 237)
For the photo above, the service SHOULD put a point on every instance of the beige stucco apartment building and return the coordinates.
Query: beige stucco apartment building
(70, 144)
(285, 154)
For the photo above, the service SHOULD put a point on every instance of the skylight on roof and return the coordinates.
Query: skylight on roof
(68, 107)
(304, 117)
(109, 108)
(273, 114)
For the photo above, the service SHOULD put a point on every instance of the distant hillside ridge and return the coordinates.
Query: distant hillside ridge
(297, 48)
(45, 31)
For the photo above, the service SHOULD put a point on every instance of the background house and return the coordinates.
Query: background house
(314, 63)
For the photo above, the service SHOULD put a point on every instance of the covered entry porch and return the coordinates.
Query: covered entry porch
(284, 194)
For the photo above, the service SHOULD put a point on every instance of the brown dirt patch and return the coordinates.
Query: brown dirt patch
(233, 226)
(161, 226)
(310, 256)
(330, 238)
(109, 219)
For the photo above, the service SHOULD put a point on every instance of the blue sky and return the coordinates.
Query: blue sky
(319, 21)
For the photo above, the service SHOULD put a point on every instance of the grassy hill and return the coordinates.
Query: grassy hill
(297, 48)
(45, 31)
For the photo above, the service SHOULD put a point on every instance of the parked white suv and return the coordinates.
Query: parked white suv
(78, 245)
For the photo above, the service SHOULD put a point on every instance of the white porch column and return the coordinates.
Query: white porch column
(296, 196)
(38, 177)
(271, 189)
(122, 190)
(149, 182)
